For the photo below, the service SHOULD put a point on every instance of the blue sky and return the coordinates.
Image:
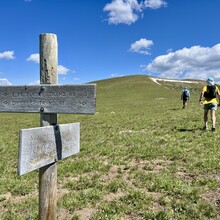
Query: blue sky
(100, 39)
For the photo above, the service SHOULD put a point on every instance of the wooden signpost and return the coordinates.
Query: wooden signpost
(42, 147)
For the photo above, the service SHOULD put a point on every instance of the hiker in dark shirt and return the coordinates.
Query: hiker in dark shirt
(185, 96)
(208, 98)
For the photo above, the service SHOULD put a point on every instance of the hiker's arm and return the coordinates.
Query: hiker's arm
(218, 98)
(201, 98)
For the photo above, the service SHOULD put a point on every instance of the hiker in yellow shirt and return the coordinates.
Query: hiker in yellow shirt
(208, 98)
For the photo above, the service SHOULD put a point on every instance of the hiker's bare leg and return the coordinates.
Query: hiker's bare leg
(206, 118)
(213, 117)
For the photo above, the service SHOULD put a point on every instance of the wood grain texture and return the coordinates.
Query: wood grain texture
(59, 99)
(48, 173)
(39, 147)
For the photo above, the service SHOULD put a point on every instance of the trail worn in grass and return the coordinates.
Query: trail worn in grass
(142, 157)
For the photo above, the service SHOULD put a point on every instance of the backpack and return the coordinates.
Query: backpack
(185, 94)
(211, 92)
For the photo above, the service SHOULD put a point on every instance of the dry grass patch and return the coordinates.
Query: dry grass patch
(85, 213)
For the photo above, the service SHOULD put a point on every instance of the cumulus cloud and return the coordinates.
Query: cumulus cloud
(8, 55)
(141, 46)
(62, 70)
(154, 4)
(122, 11)
(4, 82)
(34, 57)
(188, 63)
(129, 11)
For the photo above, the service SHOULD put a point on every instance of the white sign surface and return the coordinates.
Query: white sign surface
(39, 147)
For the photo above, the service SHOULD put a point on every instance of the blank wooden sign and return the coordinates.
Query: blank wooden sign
(41, 146)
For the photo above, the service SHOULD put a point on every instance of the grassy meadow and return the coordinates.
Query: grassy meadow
(141, 157)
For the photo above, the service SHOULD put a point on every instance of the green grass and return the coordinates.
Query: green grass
(141, 157)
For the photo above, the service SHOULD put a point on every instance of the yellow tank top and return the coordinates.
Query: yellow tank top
(210, 100)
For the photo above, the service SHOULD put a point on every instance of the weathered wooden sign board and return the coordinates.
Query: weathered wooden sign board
(39, 147)
(63, 99)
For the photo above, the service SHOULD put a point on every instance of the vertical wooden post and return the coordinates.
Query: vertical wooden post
(48, 174)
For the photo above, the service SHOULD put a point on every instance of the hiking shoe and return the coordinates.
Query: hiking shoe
(213, 128)
(205, 128)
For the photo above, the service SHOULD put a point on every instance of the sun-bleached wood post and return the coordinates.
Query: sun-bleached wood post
(48, 174)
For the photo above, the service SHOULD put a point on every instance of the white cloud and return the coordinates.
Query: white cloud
(141, 46)
(34, 57)
(4, 82)
(62, 70)
(122, 11)
(154, 4)
(8, 55)
(128, 11)
(188, 63)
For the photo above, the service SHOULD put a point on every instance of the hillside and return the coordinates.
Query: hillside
(141, 88)
(141, 157)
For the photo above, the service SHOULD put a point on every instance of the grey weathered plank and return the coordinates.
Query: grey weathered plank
(66, 99)
(39, 147)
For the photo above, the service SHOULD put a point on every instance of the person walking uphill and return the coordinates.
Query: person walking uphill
(208, 98)
(185, 96)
